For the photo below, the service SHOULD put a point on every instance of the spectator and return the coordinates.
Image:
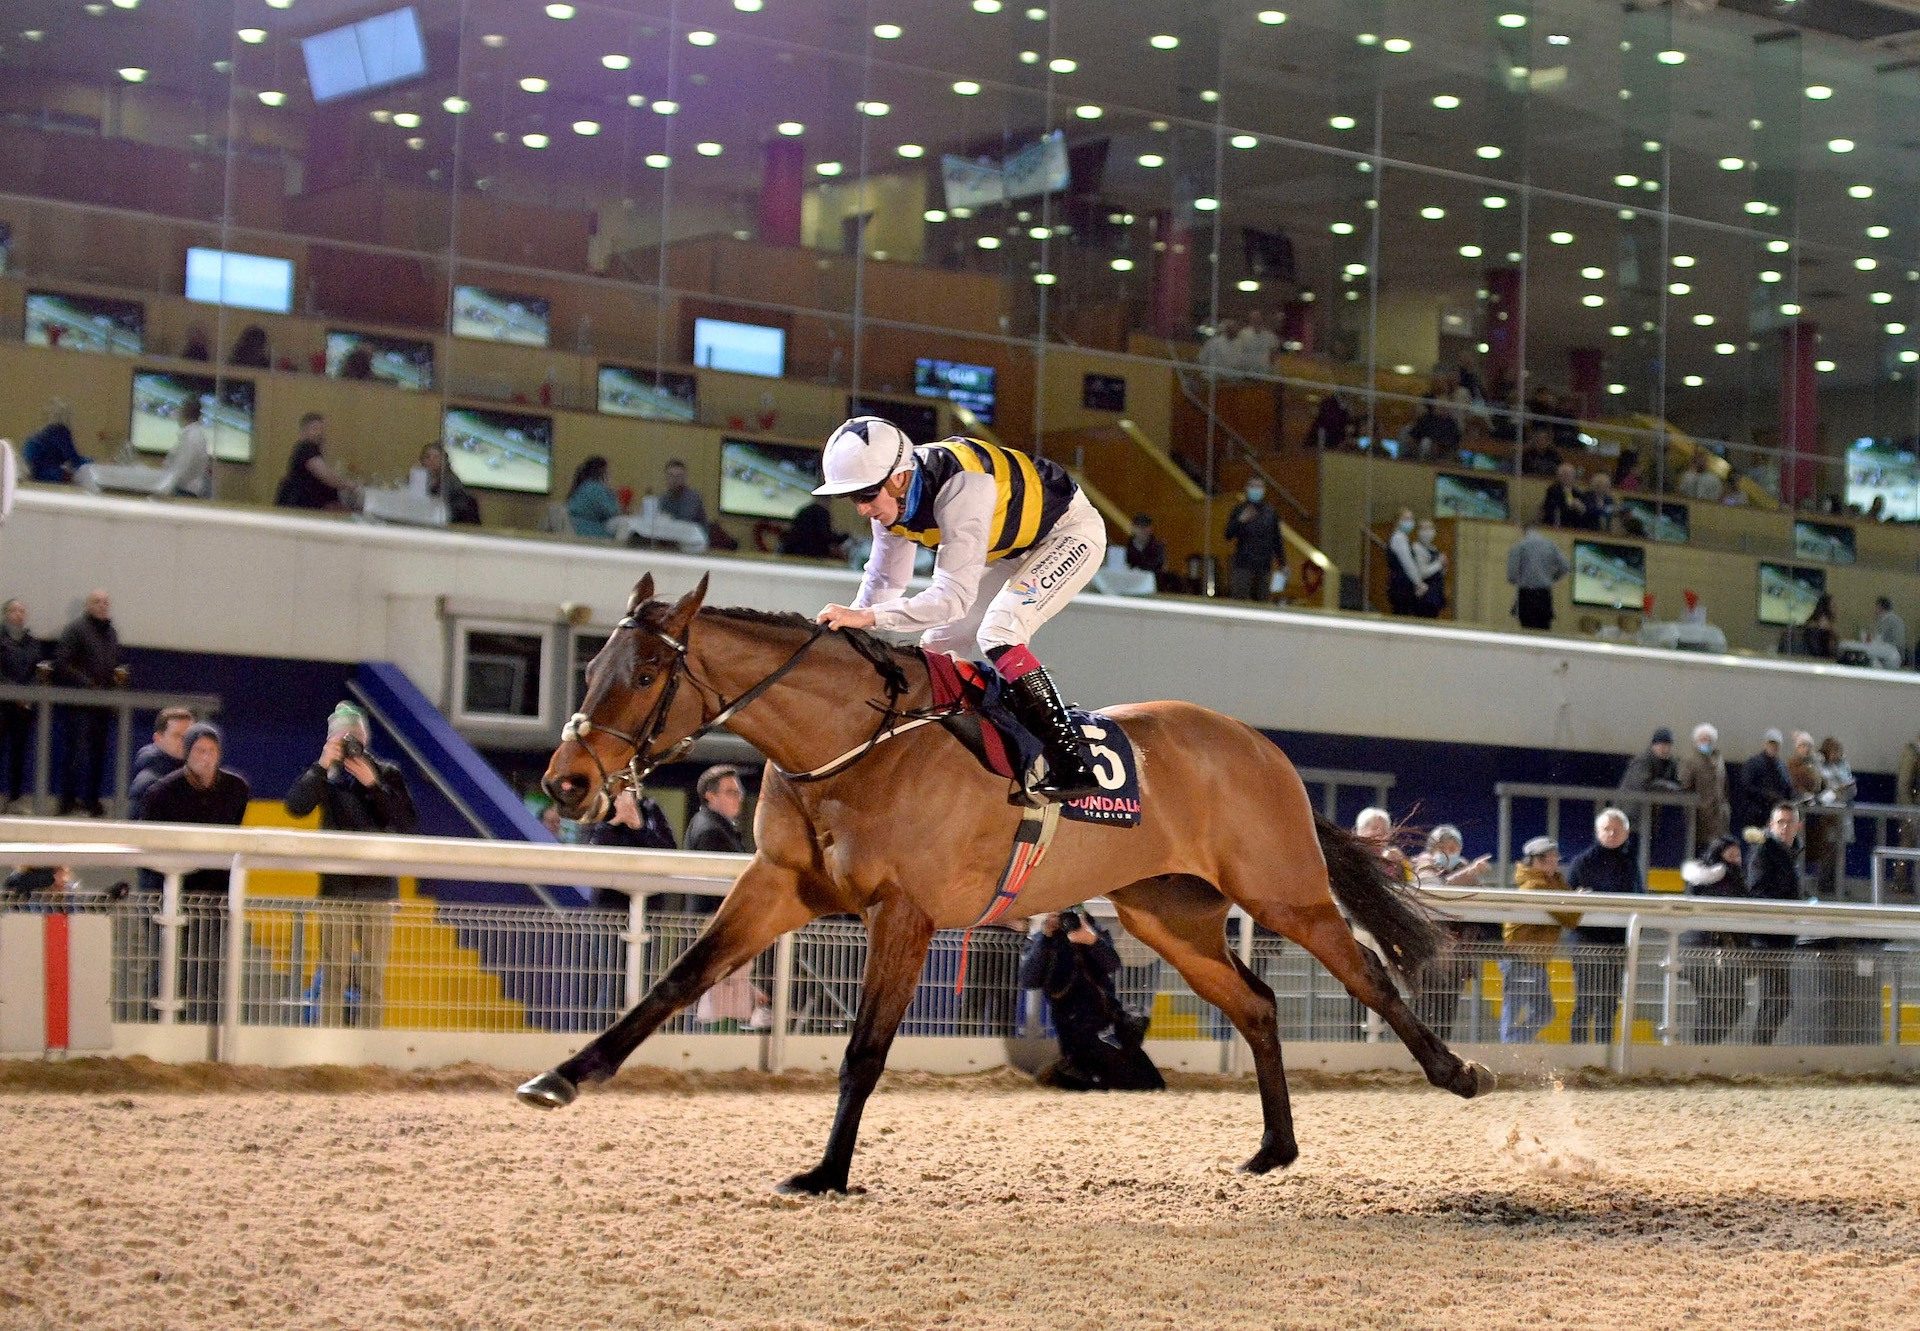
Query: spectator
(355, 792)
(1254, 346)
(638, 823)
(1626, 472)
(162, 758)
(715, 824)
(201, 791)
(1405, 586)
(250, 349)
(197, 345)
(1703, 772)
(1716, 966)
(1827, 824)
(1437, 997)
(1534, 564)
(1216, 352)
(1762, 783)
(311, 481)
(1608, 865)
(1816, 634)
(1654, 769)
(1376, 825)
(1254, 530)
(1803, 770)
(1538, 456)
(88, 657)
(1566, 504)
(49, 453)
(591, 502)
(1332, 423)
(357, 363)
(1602, 507)
(189, 473)
(1074, 963)
(1906, 791)
(811, 535)
(1773, 875)
(1526, 1003)
(1432, 565)
(1696, 482)
(442, 484)
(681, 500)
(1145, 551)
(1434, 434)
(1890, 629)
(20, 657)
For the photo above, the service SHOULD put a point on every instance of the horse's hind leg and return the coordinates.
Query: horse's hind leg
(1184, 920)
(763, 904)
(898, 933)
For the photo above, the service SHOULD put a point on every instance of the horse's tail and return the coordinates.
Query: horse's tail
(1370, 889)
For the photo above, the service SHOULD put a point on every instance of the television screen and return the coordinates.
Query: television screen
(1612, 576)
(1884, 474)
(85, 323)
(1788, 593)
(969, 386)
(654, 395)
(721, 344)
(374, 53)
(766, 480)
(226, 407)
(500, 450)
(921, 423)
(1103, 392)
(1457, 496)
(243, 281)
(500, 316)
(1042, 167)
(1655, 520)
(1827, 542)
(404, 361)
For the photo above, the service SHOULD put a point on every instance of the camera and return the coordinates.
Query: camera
(1070, 921)
(351, 747)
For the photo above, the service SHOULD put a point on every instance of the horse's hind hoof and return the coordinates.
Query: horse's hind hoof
(1272, 1155)
(812, 1184)
(549, 1090)
(1473, 1079)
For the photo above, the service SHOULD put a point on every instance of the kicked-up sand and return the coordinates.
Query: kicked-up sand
(146, 1197)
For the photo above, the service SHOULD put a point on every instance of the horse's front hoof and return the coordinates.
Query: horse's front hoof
(1473, 1079)
(1271, 1157)
(813, 1183)
(549, 1090)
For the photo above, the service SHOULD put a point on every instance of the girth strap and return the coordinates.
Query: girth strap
(1030, 842)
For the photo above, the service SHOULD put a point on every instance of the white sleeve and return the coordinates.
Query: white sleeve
(185, 462)
(889, 565)
(963, 511)
(1403, 551)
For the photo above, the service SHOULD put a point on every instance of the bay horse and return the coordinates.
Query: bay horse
(911, 832)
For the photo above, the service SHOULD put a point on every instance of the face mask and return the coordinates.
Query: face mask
(1704, 748)
(1255, 493)
(1426, 536)
(1445, 861)
(1405, 524)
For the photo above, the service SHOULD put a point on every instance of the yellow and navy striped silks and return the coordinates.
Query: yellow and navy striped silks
(1030, 493)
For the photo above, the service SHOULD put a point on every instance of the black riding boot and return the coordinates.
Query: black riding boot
(1037, 703)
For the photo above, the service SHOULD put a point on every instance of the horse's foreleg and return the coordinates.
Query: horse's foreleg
(897, 937)
(762, 905)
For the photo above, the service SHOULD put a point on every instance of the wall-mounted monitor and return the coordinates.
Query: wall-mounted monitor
(226, 410)
(1883, 479)
(722, 344)
(402, 361)
(964, 385)
(501, 316)
(1826, 542)
(1483, 497)
(500, 450)
(376, 52)
(1788, 592)
(1656, 520)
(1103, 392)
(654, 395)
(86, 323)
(242, 281)
(766, 480)
(921, 423)
(1613, 577)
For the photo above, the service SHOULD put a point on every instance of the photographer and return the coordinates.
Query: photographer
(1075, 962)
(355, 792)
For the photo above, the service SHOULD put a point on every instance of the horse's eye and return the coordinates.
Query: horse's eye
(646, 680)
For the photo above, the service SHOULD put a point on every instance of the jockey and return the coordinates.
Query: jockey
(1015, 540)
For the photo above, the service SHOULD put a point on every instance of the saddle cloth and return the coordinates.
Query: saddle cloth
(1007, 748)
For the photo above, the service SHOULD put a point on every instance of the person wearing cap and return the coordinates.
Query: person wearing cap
(1526, 1001)
(1763, 782)
(355, 792)
(1608, 865)
(1015, 540)
(1653, 768)
(1703, 772)
(1440, 980)
(201, 791)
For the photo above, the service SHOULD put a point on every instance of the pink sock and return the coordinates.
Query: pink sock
(1014, 662)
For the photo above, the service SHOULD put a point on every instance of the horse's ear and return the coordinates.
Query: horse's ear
(685, 608)
(642, 593)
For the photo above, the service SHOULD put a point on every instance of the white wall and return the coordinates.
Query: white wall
(249, 582)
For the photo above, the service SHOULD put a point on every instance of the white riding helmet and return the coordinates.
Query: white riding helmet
(862, 453)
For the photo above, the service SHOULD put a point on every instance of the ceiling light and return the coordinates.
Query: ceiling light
(1121, 265)
(1037, 14)
(1733, 163)
(1703, 320)
(1725, 348)
(1341, 122)
(560, 11)
(1044, 279)
(988, 242)
(1593, 274)
(911, 151)
(407, 119)
(1558, 39)
(493, 41)
(1881, 298)
(1819, 92)
(1878, 232)
(986, 6)
(666, 106)
(273, 97)
(1151, 160)
(875, 108)
(1625, 181)
(1513, 20)
(1271, 17)
(1470, 251)
(659, 161)
(1896, 330)
(1029, 57)
(252, 36)
(1397, 45)
(1865, 264)
(1593, 300)
(829, 168)
(586, 129)
(1909, 357)
(1860, 191)
(1679, 289)
(1494, 201)
(1367, 38)
(1038, 232)
(1561, 237)
(380, 116)
(1651, 145)
(1839, 145)
(887, 32)
(636, 100)
(615, 60)
(1063, 65)
(1756, 207)
(1163, 41)
(701, 37)
(1244, 141)
(456, 106)
(1789, 308)
(1205, 205)
(134, 74)
(1693, 381)
(279, 4)
(1433, 214)
(748, 6)
(1209, 95)
(1087, 112)
(967, 88)
(1617, 389)
(1446, 101)
(1671, 57)
(534, 140)
(1778, 246)
(1621, 330)
(934, 215)
(1770, 275)
(708, 148)
(1341, 228)
(1825, 366)
(34, 34)
(533, 84)
(1355, 270)
(791, 128)
(1486, 151)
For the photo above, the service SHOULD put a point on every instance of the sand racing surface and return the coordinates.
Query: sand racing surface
(988, 1204)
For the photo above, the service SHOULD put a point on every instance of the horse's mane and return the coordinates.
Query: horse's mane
(887, 659)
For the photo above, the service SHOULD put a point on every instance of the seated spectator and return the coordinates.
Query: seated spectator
(1608, 865)
(1602, 507)
(1567, 504)
(1432, 567)
(1890, 630)
(591, 502)
(48, 452)
(189, 473)
(1539, 457)
(1437, 995)
(681, 500)
(20, 656)
(1332, 424)
(715, 824)
(1434, 434)
(357, 363)
(201, 791)
(462, 508)
(1074, 963)
(1146, 551)
(196, 345)
(1696, 482)
(311, 481)
(1653, 769)
(1715, 966)
(250, 349)
(1626, 472)
(1526, 1003)
(163, 757)
(811, 535)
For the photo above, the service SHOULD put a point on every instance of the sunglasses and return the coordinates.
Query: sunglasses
(868, 495)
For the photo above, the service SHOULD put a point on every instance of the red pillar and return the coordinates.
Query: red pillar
(1586, 368)
(1296, 325)
(1502, 331)
(1172, 289)
(1799, 410)
(781, 185)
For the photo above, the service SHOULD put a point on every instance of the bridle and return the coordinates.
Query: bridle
(643, 761)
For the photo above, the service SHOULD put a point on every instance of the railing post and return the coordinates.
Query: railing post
(42, 757)
(227, 1047)
(1629, 977)
(122, 757)
(1553, 817)
(1669, 986)
(636, 956)
(1877, 867)
(1505, 845)
(782, 1003)
(169, 923)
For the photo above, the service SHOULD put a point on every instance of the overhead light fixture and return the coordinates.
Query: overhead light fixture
(1558, 39)
(1621, 330)
(1163, 41)
(1789, 309)
(534, 140)
(1029, 57)
(1446, 101)
(988, 242)
(1703, 320)
(1341, 122)
(1209, 95)
(1770, 275)
(407, 119)
(1778, 246)
(456, 106)
(1683, 261)
(874, 108)
(1878, 232)
(1341, 228)
(1121, 265)
(1495, 201)
(252, 36)
(934, 215)
(274, 97)
(659, 161)
(1151, 160)
(708, 148)
(1561, 237)
(1087, 112)
(749, 6)
(1246, 284)
(1470, 251)
(1487, 152)
(911, 151)
(967, 88)
(1725, 348)
(1206, 204)
(1063, 65)
(1593, 274)
(1273, 18)
(1825, 366)
(279, 4)
(1840, 145)
(380, 116)
(615, 60)
(1881, 298)
(1618, 390)
(134, 74)
(1036, 15)
(1679, 289)
(1397, 45)
(1671, 57)
(1626, 180)
(1593, 300)
(1733, 163)
(493, 41)
(665, 106)
(636, 100)
(701, 37)
(1244, 141)
(1860, 191)
(1693, 381)
(1819, 92)
(586, 129)
(1896, 329)
(1433, 214)
(533, 84)
(1865, 264)
(560, 11)
(1756, 207)
(791, 128)
(1038, 232)
(986, 6)
(1044, 279)
(887, 32)
(33, 35)
(1367, 38)
(1513, 20)
(1908, 357)
(1355, 270)
(829, 168)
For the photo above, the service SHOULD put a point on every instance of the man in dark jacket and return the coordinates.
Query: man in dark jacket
(1762, 784)
(88, 657)
(1074, 963)
(1608, 865)
(1254, 530)
(715, 824)
(201, 791)
(20, 656)
(49, 452)
(355, 792)
(162, 758)
(1653, 769)
(638, 823)
(1773, 873)
(1717, 969)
